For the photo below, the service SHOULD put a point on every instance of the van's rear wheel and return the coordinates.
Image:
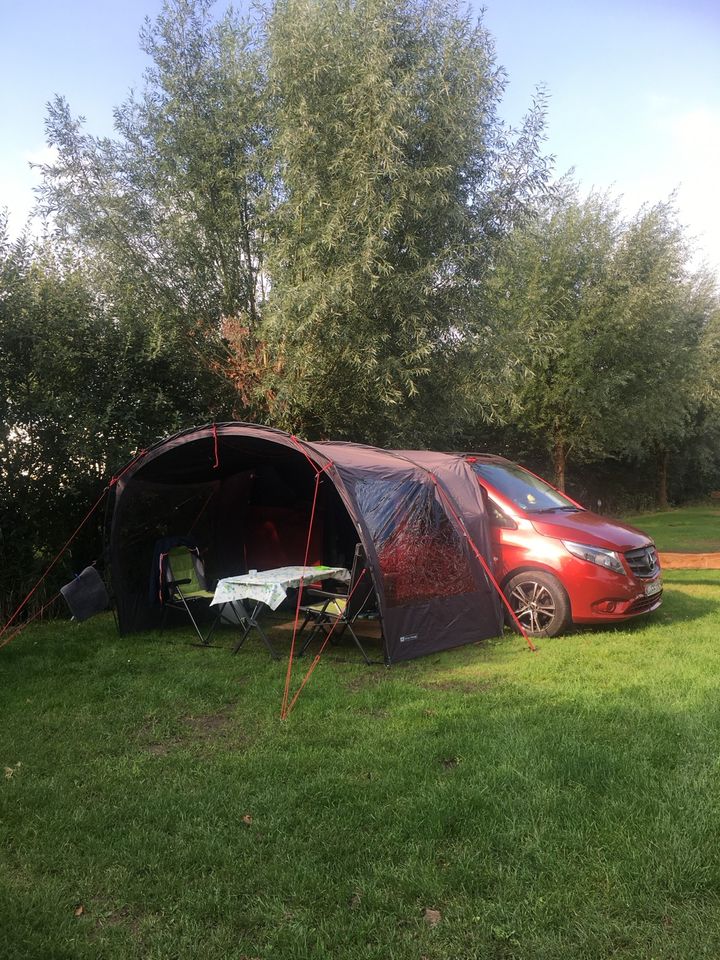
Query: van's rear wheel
(540, 603)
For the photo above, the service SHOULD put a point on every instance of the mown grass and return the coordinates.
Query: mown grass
(550, 805)
(686, 530)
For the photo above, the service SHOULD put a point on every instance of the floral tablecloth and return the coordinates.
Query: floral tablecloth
(271, 586)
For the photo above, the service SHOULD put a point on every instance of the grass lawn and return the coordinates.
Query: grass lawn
(686, 530)
(564, 804)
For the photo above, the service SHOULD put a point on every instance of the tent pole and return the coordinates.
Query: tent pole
(288, 675)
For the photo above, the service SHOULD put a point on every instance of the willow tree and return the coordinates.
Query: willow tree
(170, 210)
(664, 306)
(395, 176)
(558, 331)
(307, 199)
(601, 321)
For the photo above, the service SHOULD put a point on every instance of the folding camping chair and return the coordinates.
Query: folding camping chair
(336, 612)
(183, 586)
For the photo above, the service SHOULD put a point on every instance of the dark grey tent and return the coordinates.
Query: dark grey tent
(245, 493)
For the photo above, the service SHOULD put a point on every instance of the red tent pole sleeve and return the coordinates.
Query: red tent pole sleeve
(446, 500)
(286, 693)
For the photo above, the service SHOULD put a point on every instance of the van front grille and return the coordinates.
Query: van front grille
(644, 561)
(645, 604)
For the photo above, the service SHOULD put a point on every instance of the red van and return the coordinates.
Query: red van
(559, 563)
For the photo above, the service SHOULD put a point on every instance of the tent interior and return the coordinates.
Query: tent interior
(246, 502)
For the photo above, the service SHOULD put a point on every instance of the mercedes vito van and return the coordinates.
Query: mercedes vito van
(559, 563)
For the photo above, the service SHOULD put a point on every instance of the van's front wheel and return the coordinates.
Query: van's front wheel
(540, 603)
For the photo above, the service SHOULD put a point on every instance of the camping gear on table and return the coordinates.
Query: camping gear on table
(267, 588)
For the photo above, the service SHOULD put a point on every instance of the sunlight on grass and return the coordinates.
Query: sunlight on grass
(550, 805)
(689, 530)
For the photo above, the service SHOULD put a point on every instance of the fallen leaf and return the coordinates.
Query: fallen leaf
(432, 917)
(247, 819)
(79, 910)
(354, 901)
(8, 772)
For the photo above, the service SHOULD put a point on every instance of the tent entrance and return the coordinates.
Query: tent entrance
(246, 503)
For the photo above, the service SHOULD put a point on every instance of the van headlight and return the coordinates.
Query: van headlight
(603, 558)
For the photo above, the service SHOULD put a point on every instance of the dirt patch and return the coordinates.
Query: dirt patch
(162, 749)
(199, 729)
(122, 917)
(690, 561)
(208, 725)
(372, 677)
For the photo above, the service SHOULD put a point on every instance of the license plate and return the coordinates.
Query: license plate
(652, 588)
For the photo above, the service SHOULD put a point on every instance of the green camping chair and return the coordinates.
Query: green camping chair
(184, 587)
(337, 612)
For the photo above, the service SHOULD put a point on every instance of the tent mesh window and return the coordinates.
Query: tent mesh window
(421, 554)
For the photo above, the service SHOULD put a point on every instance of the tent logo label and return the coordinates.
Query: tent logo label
(408, 637)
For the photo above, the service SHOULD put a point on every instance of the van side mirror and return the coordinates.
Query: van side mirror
(500, 519)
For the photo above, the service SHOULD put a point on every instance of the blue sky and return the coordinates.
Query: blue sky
(634, 89)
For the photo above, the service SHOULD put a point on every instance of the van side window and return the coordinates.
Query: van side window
(500, 519)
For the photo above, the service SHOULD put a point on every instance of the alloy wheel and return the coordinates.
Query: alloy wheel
(534, 605)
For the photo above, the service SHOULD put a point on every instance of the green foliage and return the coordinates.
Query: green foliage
(396, 177)
(346, 162)
(170, 212)
(551, 314)
(663, 310)
(81, 388)
(608, 360)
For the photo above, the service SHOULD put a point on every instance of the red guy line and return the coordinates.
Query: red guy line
(316, 661)
(87, 516)
(215, 438)
(286, 693)
(484, 563)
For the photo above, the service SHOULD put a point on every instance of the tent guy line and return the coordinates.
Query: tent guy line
(54, 562)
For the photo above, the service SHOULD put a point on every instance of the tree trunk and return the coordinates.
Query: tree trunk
(663, 458)
(559, 461)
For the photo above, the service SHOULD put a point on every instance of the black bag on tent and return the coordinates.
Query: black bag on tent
(86, 594)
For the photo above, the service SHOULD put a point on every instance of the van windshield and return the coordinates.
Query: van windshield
(527, 492)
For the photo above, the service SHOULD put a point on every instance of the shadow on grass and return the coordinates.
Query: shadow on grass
(554, 807)
(676, 606)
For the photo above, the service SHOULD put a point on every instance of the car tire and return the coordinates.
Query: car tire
(540, 603)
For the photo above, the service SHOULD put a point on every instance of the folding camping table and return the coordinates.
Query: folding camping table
(267, 588)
